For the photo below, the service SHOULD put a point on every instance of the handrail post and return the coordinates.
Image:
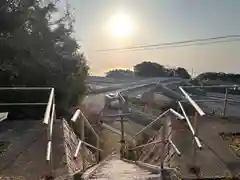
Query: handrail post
(225, 102)
(49, 120)
(122, 141)
(194, 148)
(163, 147)
(83, 139)
(98, 152)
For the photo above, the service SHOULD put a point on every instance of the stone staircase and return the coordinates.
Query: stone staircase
(114, 168)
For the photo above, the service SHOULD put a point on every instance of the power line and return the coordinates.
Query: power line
(194, 42)
(183, 45)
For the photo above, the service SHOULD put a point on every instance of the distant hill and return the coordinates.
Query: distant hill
(149, 69)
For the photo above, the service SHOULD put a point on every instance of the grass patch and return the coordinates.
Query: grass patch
(233, 140)
(4, 145)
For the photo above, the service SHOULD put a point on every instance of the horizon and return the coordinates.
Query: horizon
(107, 24)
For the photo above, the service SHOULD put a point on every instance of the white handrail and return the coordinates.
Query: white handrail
(78, 149)
(190, 126)
(48, 109)
(52, 119)
(176, 113)
(194, 104)
(198, 142)
(76, 115)
(150, 124)
(49, 147)
(187, 119)
(25, 88)
(160, 116)
(89, 125)
(213, 86)
(174, 147)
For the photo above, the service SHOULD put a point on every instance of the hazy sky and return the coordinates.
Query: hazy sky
(159, 21)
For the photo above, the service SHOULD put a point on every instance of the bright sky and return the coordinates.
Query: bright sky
(103, 24)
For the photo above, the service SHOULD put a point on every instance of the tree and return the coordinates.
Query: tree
(149, 69)
(181, 72)
(118, 73)
(37, 51)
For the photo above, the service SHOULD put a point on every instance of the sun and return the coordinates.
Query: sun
(120, 25)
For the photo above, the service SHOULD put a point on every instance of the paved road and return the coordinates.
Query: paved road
(96, 101)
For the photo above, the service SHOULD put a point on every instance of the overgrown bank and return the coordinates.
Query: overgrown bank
(38, 50)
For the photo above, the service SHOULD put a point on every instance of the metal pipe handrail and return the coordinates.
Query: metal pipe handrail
(176, 113)
(174, 147)
(77, 149)
(159, 117)
(25, 88)
(144, 145)
(187, 119)
(89, 126)
(213, 86)
(52, 119)
(48, 109)
(194, 104)
(50, 129)
(117, 115)
(49, 145)
(23, 104)
(76, 115)
(156, 142)
(204, 100)
(190, 126)
(116, 131)
(94, 147)
(150, 124)
(80, 142)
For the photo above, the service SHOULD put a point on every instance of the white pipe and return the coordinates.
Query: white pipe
(49, 146)
(194, 104)
(23, 104)
(176, 114)
(150, 124)
(190, 126)
(214, 86)
(76, 115)
(51, 122)
(174, 147)
(48, 109)
(89, 126)
(198, 142)
(78, 148)
(186, 117)
(25, 88)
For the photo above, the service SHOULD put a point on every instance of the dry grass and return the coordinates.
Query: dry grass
(234, 142)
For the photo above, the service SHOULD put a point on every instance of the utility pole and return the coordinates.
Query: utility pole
(225, 102)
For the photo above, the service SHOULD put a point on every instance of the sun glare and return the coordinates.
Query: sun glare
(120, 25)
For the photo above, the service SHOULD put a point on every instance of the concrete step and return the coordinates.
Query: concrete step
(116, 169)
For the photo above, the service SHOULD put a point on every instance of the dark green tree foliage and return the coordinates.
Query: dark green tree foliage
(229, 77)
(181, 72)
(37, 50)
(152, 69)
(119, 73)
(219, 78)
(149, 69)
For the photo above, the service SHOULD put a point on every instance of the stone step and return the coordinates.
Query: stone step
(116, 169)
